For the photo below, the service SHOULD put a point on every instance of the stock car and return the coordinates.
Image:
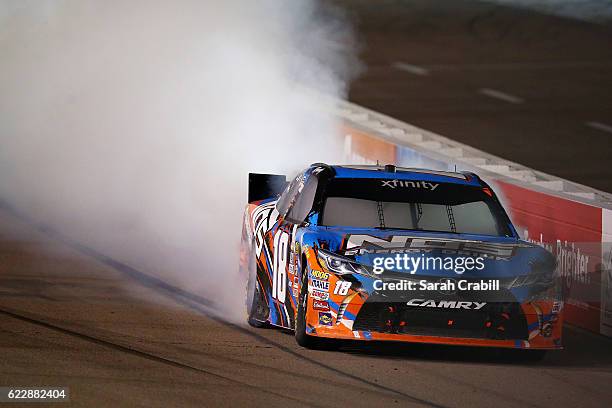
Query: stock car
(320, 253)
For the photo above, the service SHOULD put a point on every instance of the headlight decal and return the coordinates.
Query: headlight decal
(340, 265)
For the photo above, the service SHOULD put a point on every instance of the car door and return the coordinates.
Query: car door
(285, 276)
(273, 244)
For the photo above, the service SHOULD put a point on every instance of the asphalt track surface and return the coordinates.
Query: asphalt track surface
(528, 87)
(119, 336)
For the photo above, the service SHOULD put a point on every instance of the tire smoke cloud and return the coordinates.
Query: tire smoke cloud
(130, 126)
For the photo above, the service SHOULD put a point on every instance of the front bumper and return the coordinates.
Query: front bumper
(360, 314)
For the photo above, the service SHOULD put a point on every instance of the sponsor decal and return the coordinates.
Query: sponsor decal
(325, 319)
(572, 263)
(319, 284)
(367, 244)
(320, 305)
(319, 274)
(319, 294)
(425, 185)
(296, 285)
(446, 304)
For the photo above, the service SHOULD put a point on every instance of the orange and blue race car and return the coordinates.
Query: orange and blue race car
(395, 254)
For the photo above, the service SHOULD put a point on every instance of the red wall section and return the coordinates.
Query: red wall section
(370, 148)
(569, 229)
(556, 217)
(573, 232)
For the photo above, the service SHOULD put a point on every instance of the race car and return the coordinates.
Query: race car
(395, 254)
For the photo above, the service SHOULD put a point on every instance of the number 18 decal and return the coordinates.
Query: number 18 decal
(342, 288)
(279, 266)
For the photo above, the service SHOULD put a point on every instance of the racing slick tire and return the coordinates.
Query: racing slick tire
(534, 355)
(525, 356)
(256, 308)
(302, 338)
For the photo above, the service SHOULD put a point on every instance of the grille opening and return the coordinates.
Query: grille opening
(499, 321)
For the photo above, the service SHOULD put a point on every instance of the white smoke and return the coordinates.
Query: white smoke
(131, 125)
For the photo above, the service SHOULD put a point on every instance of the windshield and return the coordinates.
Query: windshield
(413, 205)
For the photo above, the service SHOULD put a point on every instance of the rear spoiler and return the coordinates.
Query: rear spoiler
(262, 186)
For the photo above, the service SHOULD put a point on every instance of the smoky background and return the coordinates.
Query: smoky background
(131, 126)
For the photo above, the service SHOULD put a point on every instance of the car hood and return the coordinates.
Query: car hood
(501, 256)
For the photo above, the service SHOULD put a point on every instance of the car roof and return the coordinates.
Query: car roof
(405, 173)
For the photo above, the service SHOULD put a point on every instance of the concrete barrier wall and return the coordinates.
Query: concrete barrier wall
(606, 278)
(571, 220)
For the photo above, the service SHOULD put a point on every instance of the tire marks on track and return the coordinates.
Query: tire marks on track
(194, 302)
(140, 353)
